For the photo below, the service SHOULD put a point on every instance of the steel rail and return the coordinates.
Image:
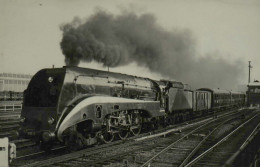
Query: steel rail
(74, 155)
(85, 152)
(147, 163)
(171, 145)
(38, 153)
(186, 160)
(66, 157)
(218, 143)
(242, 147)
(91, 163)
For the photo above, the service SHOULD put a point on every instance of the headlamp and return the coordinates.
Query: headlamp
(50, 79)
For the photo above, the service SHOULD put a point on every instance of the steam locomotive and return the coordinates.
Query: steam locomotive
(80, 106)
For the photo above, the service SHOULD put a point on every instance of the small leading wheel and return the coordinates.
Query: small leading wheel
(79, 144)
(107, 137)
(123, 134)
(136, 130)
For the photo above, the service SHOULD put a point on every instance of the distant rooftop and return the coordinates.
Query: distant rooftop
(11, 75)
(254, 84)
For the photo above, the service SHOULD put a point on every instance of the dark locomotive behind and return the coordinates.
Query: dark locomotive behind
(80, 106)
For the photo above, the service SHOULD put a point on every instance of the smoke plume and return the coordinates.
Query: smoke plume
(116, 40)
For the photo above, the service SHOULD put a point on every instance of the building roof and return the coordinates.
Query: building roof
(12, 75)
(254, 84)
(218, 91)
(237, 92)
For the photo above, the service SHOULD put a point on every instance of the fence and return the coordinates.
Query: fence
(10, 107)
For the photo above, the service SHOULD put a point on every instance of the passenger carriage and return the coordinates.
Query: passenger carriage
(220, 99)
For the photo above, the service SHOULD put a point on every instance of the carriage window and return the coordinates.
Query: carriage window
(257, 90)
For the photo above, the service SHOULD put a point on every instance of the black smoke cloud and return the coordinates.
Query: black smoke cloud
(116, 40)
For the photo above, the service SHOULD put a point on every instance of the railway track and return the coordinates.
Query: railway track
(199, 152)
(227, 146)
(113, 153)
(9, 124)
(32, 154)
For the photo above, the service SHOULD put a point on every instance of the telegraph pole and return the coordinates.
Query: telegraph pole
(249, 68)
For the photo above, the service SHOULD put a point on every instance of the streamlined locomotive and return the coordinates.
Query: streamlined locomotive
(80, 106)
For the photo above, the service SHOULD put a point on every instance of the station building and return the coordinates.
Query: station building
(13, 85)
(253, 94)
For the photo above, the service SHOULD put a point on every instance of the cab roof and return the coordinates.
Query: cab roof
(216, 91)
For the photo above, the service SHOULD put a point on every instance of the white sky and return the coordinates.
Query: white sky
(30, 34)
